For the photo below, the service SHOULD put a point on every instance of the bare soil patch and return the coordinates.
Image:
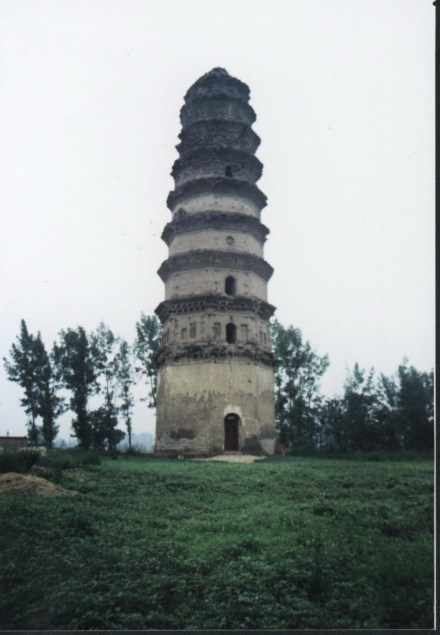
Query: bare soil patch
(12, 483)
(233, 458)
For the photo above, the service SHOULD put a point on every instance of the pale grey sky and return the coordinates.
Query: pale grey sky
(89, 109)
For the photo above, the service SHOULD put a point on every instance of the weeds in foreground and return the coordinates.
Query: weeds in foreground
(162, 544)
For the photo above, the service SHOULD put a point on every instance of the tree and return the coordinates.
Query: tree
(360, 401)
(31, 367)
(333, 422)
(298, 370)
(104, 344)
(125, 380)
(416, 407)
(148, 337)
(23, 369)
(105, 420)
(387, 414)
(50, 406)
(75, 359)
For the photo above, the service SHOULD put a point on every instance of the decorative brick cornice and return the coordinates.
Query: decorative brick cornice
(215, 134)
(217, 185)
(214, 351)
(183, 222)
(201, 258)
(201, 157)
(217, 105)
(217, 303)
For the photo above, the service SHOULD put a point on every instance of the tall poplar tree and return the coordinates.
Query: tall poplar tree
(125, 381)
(50, 405)
(148, 336)
(22, 368)
(298, 370)
(105, 419)
(75, 359)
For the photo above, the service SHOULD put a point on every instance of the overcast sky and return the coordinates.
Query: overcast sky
(90, 93)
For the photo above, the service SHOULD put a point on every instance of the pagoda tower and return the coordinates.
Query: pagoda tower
(216, 381)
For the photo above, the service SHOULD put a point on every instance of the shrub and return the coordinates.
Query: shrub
(70, 459)
(18, 461)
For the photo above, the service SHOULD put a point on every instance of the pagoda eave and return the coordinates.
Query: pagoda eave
(217, 185)
(212, 219)
(203, 258)
(213, 302)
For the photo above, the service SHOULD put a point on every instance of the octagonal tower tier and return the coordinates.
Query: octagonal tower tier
(215, 381)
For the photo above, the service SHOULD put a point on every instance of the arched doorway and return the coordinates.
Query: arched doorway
(232, 443)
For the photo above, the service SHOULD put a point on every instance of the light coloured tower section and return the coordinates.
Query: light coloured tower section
(216, 381)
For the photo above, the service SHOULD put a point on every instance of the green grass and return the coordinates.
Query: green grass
(278, 544)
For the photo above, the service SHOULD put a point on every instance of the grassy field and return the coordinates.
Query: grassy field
(278, 544)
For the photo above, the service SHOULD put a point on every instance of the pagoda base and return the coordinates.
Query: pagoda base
(210, 407)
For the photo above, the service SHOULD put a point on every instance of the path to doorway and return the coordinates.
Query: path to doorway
(233, 458)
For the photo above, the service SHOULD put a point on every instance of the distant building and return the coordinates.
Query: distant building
(13, 443)
(216, 379)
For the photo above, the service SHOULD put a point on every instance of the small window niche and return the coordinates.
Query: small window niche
(231, 333)
(217, 329)
(228, 170)
(193, 329)
(230, 285)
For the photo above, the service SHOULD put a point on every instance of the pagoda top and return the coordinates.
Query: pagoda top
(215, 72)
(217, 81)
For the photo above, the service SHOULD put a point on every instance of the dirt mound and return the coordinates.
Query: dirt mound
(11, 483)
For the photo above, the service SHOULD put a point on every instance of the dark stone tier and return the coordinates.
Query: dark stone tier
(213, 350)
(224, 162)
(217, 185)
(218, 303)
(219, 108)
(217, 134)
(183, 222)
(201, 258)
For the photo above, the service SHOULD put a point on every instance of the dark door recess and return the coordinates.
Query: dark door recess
(231, 433)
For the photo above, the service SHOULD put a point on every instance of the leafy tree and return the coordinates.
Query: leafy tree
(333, 422)
(125, 380)
(416, 407)
(105, 421)
(50, 406)
(105, 344)
(106, 435)
(75, 359)
(360, 400)
(298, 370)
(148, 337)
(23, 369)
(31, 367)
(387, 414)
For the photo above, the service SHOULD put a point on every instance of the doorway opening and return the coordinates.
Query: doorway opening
(232, 443)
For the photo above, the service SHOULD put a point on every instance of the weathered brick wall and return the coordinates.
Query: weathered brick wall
(196, 397)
